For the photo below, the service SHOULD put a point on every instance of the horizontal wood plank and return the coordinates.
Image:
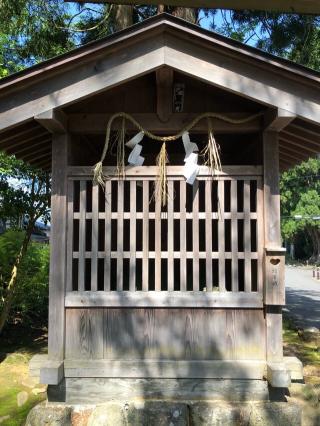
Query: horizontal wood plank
(165, 369)
(164, 299)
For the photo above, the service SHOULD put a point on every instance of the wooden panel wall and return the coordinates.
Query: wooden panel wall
(176, 334)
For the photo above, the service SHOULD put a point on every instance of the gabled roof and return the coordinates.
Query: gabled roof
(163, 40)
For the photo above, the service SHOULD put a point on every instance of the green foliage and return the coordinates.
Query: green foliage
(23, 190)
(300, 202)
(31, 295)
(295, 37)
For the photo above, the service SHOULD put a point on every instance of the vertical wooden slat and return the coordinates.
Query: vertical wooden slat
(158, 244)
(56, 338)
(234, 236)
(208, 231)
(107, 237)
(120, 236)
(195, 234)
(133, 223)
(247, 237)
(183, 237)
(82, 234)
(145, 237)
(221, 241)
(170, 237)
(260, 234)
(70, 213)
(94, 239)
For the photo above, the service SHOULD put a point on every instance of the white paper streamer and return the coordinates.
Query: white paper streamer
(135, 140)
(189, 146)
(135, 158)
(191, 168)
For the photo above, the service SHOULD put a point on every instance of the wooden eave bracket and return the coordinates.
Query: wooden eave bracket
(277, 119)
(54, 120)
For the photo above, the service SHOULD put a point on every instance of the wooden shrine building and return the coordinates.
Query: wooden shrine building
(163, 299)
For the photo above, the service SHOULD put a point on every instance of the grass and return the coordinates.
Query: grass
(308, 395)
(17, 346)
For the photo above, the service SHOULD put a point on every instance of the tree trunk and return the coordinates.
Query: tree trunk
(123, 17)
(13, 279)
(187, 13)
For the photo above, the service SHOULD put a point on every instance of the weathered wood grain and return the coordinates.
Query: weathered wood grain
(58, 254)
(180, 334)
(84, 333)
(99, 390)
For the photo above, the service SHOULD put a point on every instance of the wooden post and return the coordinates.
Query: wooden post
(58, 247)
(272, 291)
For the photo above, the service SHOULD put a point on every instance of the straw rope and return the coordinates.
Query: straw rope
(170, 138)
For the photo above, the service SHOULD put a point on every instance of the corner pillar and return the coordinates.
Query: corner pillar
(274, 291)
(52, 371)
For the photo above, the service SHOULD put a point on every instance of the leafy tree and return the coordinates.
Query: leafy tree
(292, 36)
(300, 203)
(24, 192)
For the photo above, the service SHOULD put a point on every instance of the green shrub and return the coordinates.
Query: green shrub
(31, 295)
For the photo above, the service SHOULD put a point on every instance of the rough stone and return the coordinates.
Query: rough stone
(80, 417)
(109, 414)
(38, 390)
(311, 334)
(250, 414)
(275, 414)
(49, 415)
(157, 414)
(22, 398)
(30, 382)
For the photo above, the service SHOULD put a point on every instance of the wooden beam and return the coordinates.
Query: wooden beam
(277, 120)
(34, 155)
(57, 276)
(289, 154)
(194, 53)
(18, 134)
(25, 149)
(24, 141)
(295, 149)
(305, 136)
(290, 6)
(164, 79)
(54, 120)
(293, 140)
(97, 123)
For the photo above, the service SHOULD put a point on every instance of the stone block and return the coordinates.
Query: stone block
(294, 365)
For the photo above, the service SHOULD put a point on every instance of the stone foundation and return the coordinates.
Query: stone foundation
(162, 413)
